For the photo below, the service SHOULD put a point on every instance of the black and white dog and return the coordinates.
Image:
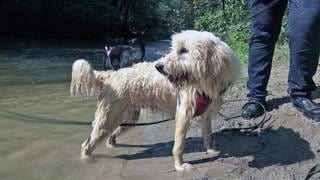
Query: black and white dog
(122, 56)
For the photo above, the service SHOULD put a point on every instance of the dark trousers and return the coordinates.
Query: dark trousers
(303, 31)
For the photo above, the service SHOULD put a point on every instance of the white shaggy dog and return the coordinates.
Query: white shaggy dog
(199, 65)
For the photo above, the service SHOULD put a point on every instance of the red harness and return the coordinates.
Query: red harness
(202, 104)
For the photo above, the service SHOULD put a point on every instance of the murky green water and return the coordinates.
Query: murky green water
(41, 126)
(40, 123)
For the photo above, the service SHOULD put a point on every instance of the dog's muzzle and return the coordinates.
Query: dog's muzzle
(173, 78)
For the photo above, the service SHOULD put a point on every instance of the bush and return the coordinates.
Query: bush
(227, 26)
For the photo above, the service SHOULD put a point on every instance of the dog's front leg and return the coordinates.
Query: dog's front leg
(184, 114)
(182, 125)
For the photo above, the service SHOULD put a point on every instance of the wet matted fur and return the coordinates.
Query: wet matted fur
(199, 63)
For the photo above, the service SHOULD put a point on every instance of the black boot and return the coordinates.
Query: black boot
(253, 109)
(309, 108)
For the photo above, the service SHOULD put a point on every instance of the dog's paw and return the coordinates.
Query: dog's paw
(85, 154)
(212, 152)
(111, 142)
(184, 167)
(110, 145)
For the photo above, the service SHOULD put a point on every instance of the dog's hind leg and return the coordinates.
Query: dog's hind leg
(90, 143)
(131, 115)
(107, 119)
(210, 113)
(97, 134)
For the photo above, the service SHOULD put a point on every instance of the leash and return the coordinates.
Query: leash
(260, 124)
(251, 128)
(314, 170)
(145, 124)
(42, 120)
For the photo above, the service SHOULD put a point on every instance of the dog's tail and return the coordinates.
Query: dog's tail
(85, 79)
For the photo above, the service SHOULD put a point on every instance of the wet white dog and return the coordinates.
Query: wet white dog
(199, 67)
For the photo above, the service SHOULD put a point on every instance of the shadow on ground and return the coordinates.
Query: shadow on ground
(280, 146)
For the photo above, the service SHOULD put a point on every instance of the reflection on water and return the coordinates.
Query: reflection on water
(41, 126)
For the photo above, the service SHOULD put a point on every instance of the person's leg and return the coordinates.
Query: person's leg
(304, 35)
(265, 30)
(304, 43)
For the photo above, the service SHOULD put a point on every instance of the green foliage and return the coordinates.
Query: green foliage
(228, 26)
(239, 45)
(283, 37)
(210, 22)
(173, 16)
(152, 19)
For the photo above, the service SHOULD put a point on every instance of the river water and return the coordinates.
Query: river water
(42, 126)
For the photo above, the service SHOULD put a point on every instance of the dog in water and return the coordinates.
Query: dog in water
(122, 56)
(199, 66)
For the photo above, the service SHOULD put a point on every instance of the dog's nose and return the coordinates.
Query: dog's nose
(159, 67)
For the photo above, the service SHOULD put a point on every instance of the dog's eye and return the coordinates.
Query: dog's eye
(182, 50)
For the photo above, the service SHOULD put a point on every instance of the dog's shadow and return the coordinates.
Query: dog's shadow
(282, 146)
